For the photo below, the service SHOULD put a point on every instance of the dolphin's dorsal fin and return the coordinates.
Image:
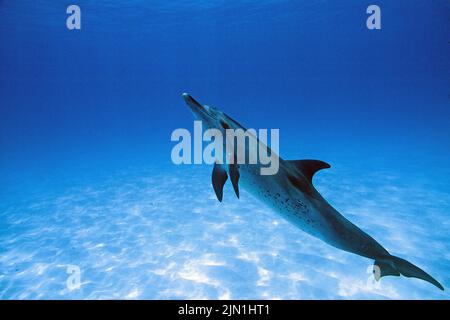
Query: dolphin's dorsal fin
(309, 167)
(219, 177)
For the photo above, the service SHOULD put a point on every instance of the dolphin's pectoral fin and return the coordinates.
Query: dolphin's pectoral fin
(219, 177)
(309, 167)
(234, 176)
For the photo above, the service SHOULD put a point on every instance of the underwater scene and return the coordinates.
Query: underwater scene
(97, 98)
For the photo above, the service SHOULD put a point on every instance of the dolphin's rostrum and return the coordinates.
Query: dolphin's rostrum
(291, 194)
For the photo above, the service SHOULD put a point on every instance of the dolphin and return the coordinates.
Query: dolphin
(291, 193)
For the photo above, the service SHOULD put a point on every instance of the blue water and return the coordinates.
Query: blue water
(86, 115)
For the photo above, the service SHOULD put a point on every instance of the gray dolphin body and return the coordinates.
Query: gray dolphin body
(291, 194)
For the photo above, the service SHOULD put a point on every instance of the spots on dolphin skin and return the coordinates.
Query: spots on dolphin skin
(300, 206)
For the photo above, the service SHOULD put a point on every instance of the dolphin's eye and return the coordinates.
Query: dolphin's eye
(224, 124)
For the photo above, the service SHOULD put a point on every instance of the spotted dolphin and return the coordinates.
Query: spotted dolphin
(290, 193)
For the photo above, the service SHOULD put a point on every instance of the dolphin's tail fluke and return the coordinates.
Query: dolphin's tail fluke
(394, 266)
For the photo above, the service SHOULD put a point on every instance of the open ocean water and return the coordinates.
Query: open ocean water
(86, 178)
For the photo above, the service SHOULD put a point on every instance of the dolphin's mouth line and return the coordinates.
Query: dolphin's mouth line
(189, 100)
(195, 105)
